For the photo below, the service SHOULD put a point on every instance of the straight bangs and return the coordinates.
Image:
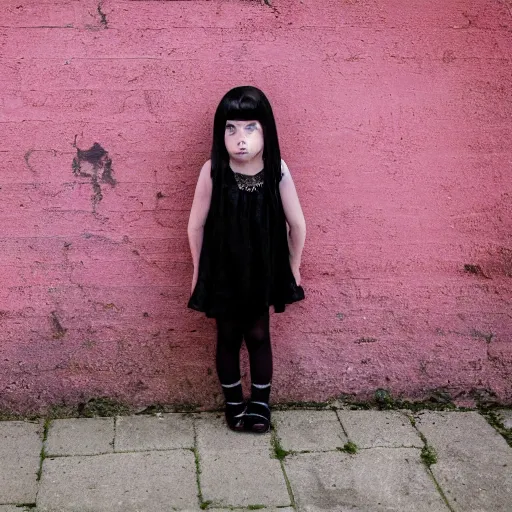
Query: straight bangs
(245, 108)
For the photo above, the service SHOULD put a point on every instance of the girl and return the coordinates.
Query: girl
(245, 259)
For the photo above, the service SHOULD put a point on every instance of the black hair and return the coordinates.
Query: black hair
(247, 103)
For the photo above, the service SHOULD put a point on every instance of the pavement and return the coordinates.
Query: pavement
(313, 460)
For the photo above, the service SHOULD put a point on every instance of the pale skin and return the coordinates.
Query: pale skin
(244, 143)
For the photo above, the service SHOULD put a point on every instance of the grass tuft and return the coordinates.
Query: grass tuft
(428, 455)
(279, 452)
(348, 447)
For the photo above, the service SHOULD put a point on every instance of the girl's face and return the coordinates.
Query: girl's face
(244, 140)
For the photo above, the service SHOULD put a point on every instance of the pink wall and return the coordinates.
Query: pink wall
(395, 119)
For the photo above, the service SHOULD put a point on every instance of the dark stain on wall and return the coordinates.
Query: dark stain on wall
(103, 16)
(95, 164)
(58, 330)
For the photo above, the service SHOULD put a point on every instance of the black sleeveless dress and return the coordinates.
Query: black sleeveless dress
(244, 264)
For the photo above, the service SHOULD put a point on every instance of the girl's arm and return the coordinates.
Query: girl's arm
(198, 214)
(294, 218)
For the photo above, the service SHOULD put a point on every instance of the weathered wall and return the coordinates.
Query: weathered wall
(395, 119)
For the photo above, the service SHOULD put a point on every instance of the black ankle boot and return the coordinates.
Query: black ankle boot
(235, 406)
(257, 415)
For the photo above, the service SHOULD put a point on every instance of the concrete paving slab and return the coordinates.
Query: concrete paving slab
(474, 461)
(164, 432)
(242, 479)
(375, 480)
(371, 429)
(20, 452)
(214, 435)
(308, 430)
(80, 436)
(506, 417)
(14, 508)
(122, 482)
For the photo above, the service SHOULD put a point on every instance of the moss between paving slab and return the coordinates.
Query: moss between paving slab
(440, 490)
(428, 453)
(279, 452)
(43, 453)
(429, 457)
(384, 400)
(439, 400)
(203, 505)
(494, 419)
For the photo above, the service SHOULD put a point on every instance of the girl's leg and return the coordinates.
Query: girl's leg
(229, 342)
(257, 340)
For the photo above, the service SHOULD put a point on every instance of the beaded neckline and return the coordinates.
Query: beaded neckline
(249, 183)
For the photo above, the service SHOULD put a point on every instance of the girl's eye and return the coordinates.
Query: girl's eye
(230, 128)
(250, 128)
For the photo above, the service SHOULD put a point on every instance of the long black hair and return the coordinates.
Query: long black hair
(247, 103)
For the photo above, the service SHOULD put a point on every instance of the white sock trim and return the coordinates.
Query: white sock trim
(234, 403)
(231, 385)
(262, 386)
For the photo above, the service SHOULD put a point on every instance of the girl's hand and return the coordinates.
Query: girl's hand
(296, 275)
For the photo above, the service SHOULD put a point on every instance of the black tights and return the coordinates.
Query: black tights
(255, 332)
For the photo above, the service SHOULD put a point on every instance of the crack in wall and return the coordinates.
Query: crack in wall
(58, 330)
(103, 16)
(27, 156)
